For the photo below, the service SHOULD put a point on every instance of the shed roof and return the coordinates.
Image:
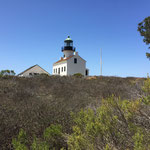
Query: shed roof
(31, 68)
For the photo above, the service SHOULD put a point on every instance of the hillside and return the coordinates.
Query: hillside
(35, 103)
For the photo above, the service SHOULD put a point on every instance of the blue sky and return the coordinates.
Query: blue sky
(33, 31)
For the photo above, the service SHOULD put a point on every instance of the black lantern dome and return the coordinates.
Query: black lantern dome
(68, 45)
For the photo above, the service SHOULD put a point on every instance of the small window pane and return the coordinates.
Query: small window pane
(86, 72)
(75, 60)
(58, 70)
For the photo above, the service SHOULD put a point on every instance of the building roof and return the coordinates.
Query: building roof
(31, 68)
(68, 39)
(63, 59)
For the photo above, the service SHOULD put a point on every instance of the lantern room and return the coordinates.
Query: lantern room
(68, 45)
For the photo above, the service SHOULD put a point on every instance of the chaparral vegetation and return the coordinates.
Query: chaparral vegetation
(52, 112)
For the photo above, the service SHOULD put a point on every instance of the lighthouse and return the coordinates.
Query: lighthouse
(68, 48)
(70, 63)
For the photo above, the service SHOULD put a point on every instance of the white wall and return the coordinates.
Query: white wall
(79, 67)
(68, 53)
(60, 65)
(35, 69)
(71, 67)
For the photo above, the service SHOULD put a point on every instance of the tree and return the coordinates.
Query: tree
(7, 73)
(144, 29)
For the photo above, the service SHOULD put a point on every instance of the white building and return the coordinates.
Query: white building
(33, 71)
(71, 63)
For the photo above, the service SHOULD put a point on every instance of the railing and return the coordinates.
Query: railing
(68, 48)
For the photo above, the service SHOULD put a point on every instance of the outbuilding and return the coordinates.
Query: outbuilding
(33, 71)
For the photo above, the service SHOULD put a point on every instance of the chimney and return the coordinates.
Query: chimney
(75, 53)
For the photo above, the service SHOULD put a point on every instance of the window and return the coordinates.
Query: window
(33, 74)
(64, 68)
(75, 60)
(86, 73)
(36, 74)
(58, 70)
(54, 70)
(61, 69)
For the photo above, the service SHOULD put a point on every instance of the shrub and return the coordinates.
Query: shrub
(20, 142)
(35, 103)
(116, 124)
(78, 75)
(52, 139)
(146, 87)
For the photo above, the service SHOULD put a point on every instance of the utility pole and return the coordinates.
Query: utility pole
(101, 61)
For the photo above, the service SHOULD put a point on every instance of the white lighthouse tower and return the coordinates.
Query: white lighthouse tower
(71, 63)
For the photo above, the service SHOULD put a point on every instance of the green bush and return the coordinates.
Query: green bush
(79, 75)
(20, 142)
(116, 124)
(146, 87)
(52, 139)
